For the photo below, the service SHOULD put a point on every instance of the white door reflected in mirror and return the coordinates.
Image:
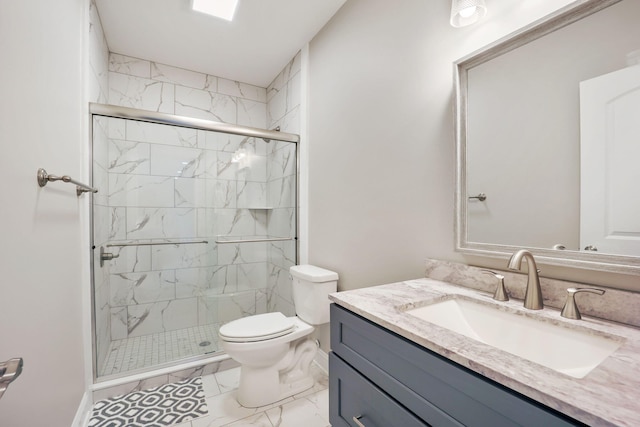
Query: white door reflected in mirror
(609, 152)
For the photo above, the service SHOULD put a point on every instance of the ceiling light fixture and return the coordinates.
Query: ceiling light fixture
(467, 12)
(224, 9)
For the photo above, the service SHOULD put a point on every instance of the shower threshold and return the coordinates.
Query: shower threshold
(155, 349)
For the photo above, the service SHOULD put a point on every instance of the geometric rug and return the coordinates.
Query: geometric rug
(160, 406)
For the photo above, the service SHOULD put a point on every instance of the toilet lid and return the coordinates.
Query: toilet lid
(257, 328)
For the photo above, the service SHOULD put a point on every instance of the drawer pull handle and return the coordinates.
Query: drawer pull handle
(357, 421)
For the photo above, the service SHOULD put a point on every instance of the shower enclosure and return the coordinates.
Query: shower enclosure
(194, 225)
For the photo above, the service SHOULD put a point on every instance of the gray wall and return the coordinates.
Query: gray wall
(381, 140)
(44, 258)
(376, 142)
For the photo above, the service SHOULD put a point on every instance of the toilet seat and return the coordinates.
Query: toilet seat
(259, 327)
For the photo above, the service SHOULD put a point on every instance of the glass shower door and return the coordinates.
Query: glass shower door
(191, 228)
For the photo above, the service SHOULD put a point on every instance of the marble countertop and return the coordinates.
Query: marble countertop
(608, 396)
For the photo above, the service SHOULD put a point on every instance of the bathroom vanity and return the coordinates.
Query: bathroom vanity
(369, 361)
(390, 368)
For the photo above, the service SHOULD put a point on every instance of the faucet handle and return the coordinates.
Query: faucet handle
(501, 292)
(570, 309)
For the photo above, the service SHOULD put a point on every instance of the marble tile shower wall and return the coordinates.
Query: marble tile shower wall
(147, 85)
(167, 184)
(283, 110)
(174, 183)
(256, 273)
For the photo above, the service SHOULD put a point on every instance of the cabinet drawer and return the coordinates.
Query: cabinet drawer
(412, 375)
(351, 395)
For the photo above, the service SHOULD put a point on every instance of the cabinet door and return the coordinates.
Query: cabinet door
(352, 396)
(429, 385)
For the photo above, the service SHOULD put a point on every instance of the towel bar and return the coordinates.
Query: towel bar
(44, 178)
(111, 245)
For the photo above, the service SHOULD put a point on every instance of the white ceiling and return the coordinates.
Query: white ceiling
(263, 37)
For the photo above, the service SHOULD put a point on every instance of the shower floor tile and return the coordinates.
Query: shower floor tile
(150, 350)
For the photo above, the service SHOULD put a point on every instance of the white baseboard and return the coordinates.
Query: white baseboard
(322, 360)
(83, 414)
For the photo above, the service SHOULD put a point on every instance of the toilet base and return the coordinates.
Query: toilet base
(251, 397)
(264, 386)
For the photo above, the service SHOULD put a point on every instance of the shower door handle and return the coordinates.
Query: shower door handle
(9, 371)
(106, 256)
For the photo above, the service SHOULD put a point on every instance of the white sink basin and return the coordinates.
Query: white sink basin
(574, 352)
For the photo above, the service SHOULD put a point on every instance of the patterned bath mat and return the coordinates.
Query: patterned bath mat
(161, 406)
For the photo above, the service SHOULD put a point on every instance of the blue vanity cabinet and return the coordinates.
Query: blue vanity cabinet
(385, 380)
(361, 399)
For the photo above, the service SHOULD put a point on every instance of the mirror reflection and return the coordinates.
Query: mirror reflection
(552, 141)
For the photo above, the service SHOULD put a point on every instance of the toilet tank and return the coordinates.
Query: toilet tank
(311, 288)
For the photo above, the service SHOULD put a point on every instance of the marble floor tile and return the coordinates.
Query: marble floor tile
(309, 408)
(228, 380)
(258, 420)
(210, 386)
(310, 411)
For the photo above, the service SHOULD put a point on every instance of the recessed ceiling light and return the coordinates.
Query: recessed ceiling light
(224, 9)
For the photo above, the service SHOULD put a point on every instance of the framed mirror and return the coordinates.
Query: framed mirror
(548, 140)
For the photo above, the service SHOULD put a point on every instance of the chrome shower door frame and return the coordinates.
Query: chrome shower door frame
(113, 111)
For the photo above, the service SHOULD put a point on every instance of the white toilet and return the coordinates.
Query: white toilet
(274, 351)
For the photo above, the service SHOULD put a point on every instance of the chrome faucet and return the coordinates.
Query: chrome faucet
(533, 294)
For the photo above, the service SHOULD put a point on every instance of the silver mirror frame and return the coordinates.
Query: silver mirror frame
(576, 259)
